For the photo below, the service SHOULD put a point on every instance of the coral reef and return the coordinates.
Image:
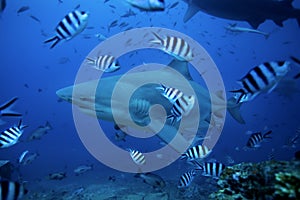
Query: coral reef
(265, 180)
(288, 185)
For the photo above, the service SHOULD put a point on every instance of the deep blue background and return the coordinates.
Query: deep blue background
(26, 60)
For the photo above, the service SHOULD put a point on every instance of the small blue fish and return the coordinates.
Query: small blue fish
(148, 5)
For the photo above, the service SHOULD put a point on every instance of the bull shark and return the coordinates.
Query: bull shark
(255, 12)
(99, 104)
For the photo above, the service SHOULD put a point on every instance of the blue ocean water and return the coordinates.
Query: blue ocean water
(33, 72)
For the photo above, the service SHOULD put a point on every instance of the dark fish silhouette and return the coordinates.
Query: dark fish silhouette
(35, 18)
(23, 9)
(2, 5)
(255, 12)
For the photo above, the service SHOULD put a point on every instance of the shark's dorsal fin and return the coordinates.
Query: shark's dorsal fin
(181, 67)
(255, 22)
(191, 11)
(278, 22)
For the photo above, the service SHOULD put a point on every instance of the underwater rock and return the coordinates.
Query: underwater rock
(265, 180)
(288, 184)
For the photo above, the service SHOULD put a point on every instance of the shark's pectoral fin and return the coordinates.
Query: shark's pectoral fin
(255, 22)
(234, 110)
(171, 136)
(191, 11)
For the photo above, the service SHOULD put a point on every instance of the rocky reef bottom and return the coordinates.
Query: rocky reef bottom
(127, 189)
(265, 180)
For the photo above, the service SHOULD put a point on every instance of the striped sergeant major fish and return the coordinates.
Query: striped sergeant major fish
(172, 94)
(11, 135)
(70, 26)
(5, 109)
(137, 157)
(181, 107)
(212, 169)
(256, 138)
(11, 190)
(174, 46)
(196, 152)
(104, 63)
(262, 78)
(186, 179)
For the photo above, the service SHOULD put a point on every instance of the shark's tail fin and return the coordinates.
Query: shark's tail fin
(234, 110)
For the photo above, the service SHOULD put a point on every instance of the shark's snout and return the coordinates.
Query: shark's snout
(65, 94)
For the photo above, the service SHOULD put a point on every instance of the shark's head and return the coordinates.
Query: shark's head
(65, 94)
(86, 101)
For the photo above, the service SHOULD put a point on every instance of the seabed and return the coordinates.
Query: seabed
(133, 189)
